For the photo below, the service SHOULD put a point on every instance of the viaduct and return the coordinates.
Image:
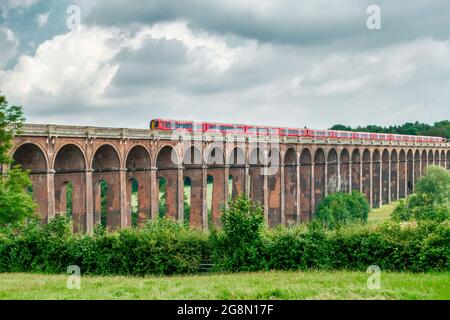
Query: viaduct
(288, 177)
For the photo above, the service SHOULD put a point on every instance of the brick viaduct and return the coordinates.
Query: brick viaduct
(305, 171)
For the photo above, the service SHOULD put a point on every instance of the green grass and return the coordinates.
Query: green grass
(377, 216)
(267, 285)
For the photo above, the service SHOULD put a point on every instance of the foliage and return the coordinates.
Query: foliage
(339, 209)
(11, 121)
(439, 129)
(16, 204)
(238, 246)
(431, 200)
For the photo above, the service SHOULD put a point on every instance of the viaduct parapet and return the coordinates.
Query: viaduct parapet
(289, 177)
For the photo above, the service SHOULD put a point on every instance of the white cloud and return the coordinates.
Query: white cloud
(42, 19)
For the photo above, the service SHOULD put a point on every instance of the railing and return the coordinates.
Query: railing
(49, 130)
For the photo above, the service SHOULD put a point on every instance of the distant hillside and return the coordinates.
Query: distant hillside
(438, 129)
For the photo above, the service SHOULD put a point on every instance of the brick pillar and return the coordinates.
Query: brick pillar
(125, 220)
(282, 191)
(298, 195)
(180, 194)
(50, 194)
(406, 174)
(266, 196)
(205, 197)
(89, 202)
(154, 194)
(413, 166)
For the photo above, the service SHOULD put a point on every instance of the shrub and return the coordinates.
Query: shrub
(339, 209)
(238, 246)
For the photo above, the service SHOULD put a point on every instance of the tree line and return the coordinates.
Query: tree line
(437, 129)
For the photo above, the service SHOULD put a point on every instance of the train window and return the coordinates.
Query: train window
(226, 128)
(293, 132)
(184, 125)
(273, 131)
(251, 130)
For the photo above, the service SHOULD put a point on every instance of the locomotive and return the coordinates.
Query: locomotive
(253, 130)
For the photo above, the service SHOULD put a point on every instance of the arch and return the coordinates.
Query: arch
(31, 157)
(394, 175)
(332, 171)
(256, 175)
(443, 158)
(366, 174)
(356, 170)
(69, 165)
(436, 157)
(416, 165)
(410, 172)
(138, 164)
(192, 163)
(167, 162)
(305, 185)
(236, 161)
(290, 182)
(344, 171)
(319, 177)
(106, 167)
(424, 162)
(215, 156)
(274, 186)
(376, 178)
(402, 174)
(215, 183)
(385, 177)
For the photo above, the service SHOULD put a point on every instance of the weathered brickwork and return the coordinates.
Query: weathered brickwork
(289, 177)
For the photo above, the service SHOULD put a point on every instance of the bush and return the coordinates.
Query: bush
(238, 246)
(431, 200)
(340, 209)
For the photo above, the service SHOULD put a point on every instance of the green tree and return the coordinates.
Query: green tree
(16, 205)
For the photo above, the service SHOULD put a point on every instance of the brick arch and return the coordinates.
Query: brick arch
(344, 170)
(366, 173)
(138, 164)
(332, 172)
(31, 156)
(69, 164)
(215, 159)
(443, 158)
(319, 176)
(394, 173)
(417, 169)
(256, 159)
(402, 173)
(306, 197)
(274, 186)
(356, 170)
(106, 165)
(424, 161)
(430, 157)
(236, 161)
(376, 183)
(166, 163)
(385, 176)
(448, 160)
(436, 157)
(290, 183)
(100, 161)
(192, 163)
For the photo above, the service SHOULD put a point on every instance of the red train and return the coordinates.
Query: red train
(223, 128)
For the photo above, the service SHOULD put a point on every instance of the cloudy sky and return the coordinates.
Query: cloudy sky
(277, 62)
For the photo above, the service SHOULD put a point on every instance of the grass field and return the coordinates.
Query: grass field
(376, 216)
(269, 285)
